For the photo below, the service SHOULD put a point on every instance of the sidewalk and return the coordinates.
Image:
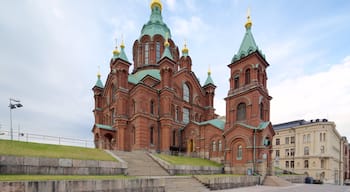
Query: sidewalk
(294, 188)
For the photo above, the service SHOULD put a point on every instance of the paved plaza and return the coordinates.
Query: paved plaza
(294, 188)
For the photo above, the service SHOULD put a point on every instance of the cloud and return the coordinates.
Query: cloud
(171, 4)
(320, 95)
(193, 28)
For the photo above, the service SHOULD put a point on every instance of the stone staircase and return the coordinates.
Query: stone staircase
(276, 181)
(140, 164)
(184, 184)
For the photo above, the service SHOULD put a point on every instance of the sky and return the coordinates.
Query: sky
(51, 51)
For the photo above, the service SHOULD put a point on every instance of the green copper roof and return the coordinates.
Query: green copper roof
(215, 122)
(247, 47)
(122, 54)
(209, 80)
(99, 82)
(261, 126)
(167, 53)
(137, 77)
(106, 127)
(155, 25)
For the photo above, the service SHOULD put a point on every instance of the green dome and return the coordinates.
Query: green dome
(155, 25)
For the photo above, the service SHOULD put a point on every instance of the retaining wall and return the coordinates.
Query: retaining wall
(187, 169)
(55, 166)
(119, 185)
(228, 182)
(293, 178)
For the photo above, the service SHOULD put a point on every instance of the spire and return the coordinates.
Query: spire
(248, 44)
(209, 79)
(167, 52)
(122, 52)
(116, 52)
(155, 25)
(99, 82)
(185, 50)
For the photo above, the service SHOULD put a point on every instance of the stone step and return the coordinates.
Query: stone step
(276, 181)
(140, 164)
(184, 185)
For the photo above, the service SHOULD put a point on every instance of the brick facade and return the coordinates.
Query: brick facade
(161, 106)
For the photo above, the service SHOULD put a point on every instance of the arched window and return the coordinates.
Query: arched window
(239, 152)
(236, 82)
(241, 112)
(174, 137)
(186, 115)
(220, 145)
(247, 76)
(213, 146)
(152, 107)
(186, 93)
(146, 53)
(133, 106)
(258, 76)
(151, 136)
(306, 150)
(134, 135)
(157, 51)
(261, 111)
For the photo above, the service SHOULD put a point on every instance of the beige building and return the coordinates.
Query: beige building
(312, 147)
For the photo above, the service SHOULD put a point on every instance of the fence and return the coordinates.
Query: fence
(36, 138)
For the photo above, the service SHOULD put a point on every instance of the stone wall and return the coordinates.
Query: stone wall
(293, 178)
(187, 169)
(118, 185)
(55, 166)
(227, 182)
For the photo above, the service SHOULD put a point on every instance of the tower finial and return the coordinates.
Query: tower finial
(166, 43)
(249, 23)
(185, 49)
(122, 45)
(209, 71)
(98, 73)
(116, 51)
(156, 2)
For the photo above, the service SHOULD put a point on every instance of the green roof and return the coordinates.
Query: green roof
(155, 25)
(167, 53)
(106, 127)
(215, 122)
(99, 82)
(209, 80)
(247, 47)
(137, 77)
(122, 54)
(261, 126)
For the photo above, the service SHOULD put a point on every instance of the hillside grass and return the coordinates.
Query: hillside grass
(61, 177)
(18, 148)
(182, 160)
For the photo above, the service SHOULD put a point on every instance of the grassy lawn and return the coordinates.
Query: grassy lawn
(181, 160)
(19, 148)
(60, 177)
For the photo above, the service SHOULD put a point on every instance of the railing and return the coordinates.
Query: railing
(37, 138)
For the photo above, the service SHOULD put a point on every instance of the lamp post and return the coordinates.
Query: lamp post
(13, 105)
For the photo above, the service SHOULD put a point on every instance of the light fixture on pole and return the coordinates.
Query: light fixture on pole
(13, 105)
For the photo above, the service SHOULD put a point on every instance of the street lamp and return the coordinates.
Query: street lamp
(13, 105)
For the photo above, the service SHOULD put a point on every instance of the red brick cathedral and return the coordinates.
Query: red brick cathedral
(161, 106)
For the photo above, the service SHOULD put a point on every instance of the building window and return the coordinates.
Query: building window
(177, 114)
(157, 51)
(236, 82)
(287, 140)
(258, 76)
(133, 106)
(186, 93)
(277, 141)
(241, 112)
(146, 53)
(113, 116)
(306, 150)
(152, 107)
(323, 164)
(174, 137)
(277, 153)
(287, 152)
(213, 146)
(114, 93)
(239, 152)
(151, 136)
(186, 115)
(306, 164)
(304, 138)
(322, 137)
(134, 135)
(308, 138)
(322, 149)
(261, 111)
(220, 145)
(247, 76)
(292, 164)
(292, 152)
(292, 140)
(287, 164)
